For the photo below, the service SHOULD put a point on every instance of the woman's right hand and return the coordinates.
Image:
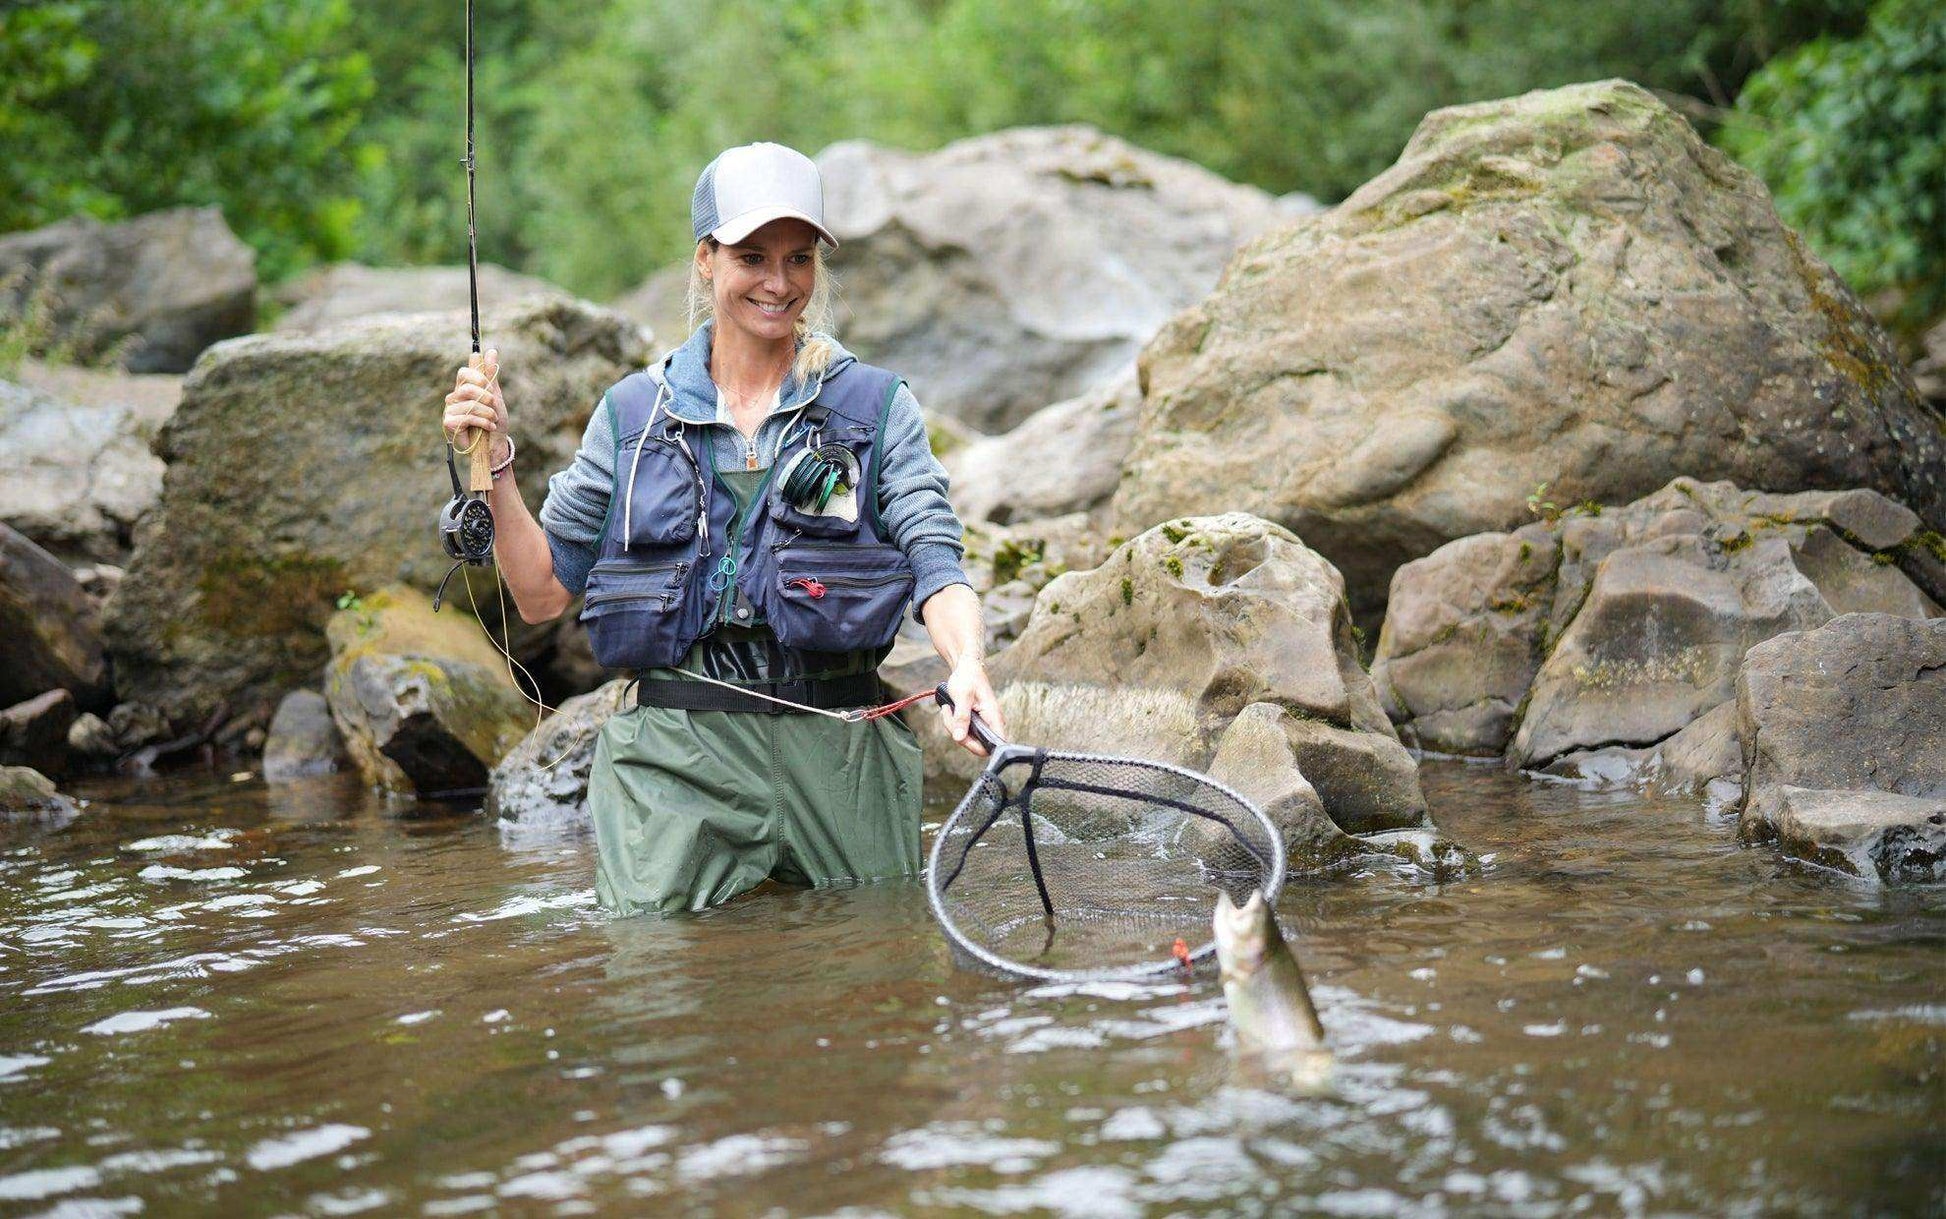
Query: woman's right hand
(476, 402)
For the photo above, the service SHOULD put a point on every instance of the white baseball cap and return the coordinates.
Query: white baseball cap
(749, 186)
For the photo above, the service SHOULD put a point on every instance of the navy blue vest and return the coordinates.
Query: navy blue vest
(667, 559)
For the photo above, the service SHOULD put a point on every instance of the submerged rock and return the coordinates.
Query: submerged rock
(269, 512)
(303, 740)
(1568, 287)
(48, 633)
(544, 779)
(997, 274)
(165, 285)
(424, 703)
(1857, 705)
(1581, 643)
(25, 792)
(1155, 653)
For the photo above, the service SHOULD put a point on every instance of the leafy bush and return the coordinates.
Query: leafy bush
(1851, 136)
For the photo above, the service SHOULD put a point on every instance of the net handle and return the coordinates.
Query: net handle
(981, 733)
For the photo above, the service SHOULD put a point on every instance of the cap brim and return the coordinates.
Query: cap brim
(734, 230)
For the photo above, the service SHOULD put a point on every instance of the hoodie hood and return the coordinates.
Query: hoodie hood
(685, 372)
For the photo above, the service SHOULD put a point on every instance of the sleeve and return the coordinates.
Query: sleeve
(576, 508)
(912, 501)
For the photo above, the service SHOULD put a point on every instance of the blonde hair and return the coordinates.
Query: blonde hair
(814, 325)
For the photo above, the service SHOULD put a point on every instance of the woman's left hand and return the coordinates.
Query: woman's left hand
(972, 692)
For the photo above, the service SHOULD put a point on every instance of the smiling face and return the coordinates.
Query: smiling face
(762, 284)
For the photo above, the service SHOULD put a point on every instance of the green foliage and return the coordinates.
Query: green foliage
(118, 107)
(1851, 137)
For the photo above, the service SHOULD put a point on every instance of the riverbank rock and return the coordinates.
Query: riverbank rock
(25, 792)
(424, 703)
(1567, 287)
(35, 733)
(346, 291)
(165, 285)
(1601, 631)
(303, 739)
(1157, 652)
(49, 637)
(269, 513)
(999, 272)
(1857, 705)
(76, 470)
(544, 780)
(1061, 459)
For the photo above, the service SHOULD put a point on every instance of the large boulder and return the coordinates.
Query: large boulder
(301, 466)
(160, 287)
(1616, 628)
(346, 291)
(1855, 706)
(1062, 459)
(1568, 287)
(49, 637)
(424, 702)
(76, 470)
(1158, 652)
(1011, 270)
(543, 781)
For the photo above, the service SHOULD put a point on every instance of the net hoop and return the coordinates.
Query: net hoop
(968, 808)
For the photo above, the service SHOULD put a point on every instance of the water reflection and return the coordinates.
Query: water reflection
(225, 998)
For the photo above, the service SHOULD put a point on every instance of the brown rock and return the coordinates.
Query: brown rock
(35, 733)
(48, 633)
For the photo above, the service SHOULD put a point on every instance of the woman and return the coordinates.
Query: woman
(748, 521)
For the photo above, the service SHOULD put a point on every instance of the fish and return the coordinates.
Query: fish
(1270, 1004)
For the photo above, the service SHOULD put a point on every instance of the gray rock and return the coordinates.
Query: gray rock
(1063, 458)
(167, 284)
(1598, 635)
(35, 733)
(1875, 835)
(1857, 705)
(1705, 755)
(347, 291)
(1568, 287)
(1011, 270)
(76, 473)
(544, 780)
(49, 638)
(269, 514)
(25, 792)
(1157, 651)
(303, 740)
(91, 738)
(424, 704)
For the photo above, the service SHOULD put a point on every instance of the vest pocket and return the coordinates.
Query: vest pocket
(836, 597)
(666, 495)
(638, 613)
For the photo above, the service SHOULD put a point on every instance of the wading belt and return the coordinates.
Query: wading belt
(830, 693)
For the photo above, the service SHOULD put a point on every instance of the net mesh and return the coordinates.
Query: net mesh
(1125, 858)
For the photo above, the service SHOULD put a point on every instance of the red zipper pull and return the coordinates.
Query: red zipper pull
(810, 586)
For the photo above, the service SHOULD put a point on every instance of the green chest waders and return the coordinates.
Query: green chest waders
(692, 808)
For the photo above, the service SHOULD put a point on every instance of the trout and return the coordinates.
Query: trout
(1270, 1006)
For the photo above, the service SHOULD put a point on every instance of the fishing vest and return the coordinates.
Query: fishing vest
(673, 548)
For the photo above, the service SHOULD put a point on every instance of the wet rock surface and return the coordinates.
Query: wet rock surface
(268, 515)
(1858, 705)
(423, 702)
(544, 780)
(1598, 301)
(27, 792)
(1874, 835)
(49, 638)
(302, 740)
(1601, 632)
(995, 272)
(161, 287)
(1154, 653)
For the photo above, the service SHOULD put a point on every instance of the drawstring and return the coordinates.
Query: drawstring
(628, 496)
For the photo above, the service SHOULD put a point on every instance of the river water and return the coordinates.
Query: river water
(217, 998)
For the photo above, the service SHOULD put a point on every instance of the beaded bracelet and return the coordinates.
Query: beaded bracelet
(502, 468)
